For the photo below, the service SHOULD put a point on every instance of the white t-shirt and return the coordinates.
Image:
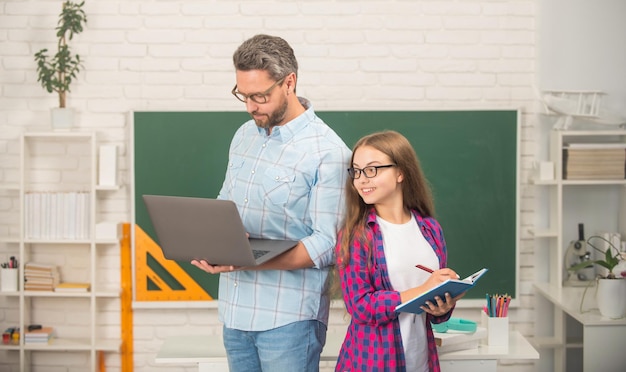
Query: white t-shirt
(405, 247)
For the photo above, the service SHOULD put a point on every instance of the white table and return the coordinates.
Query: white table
(209, 354)
(598, 333)
(485, 358)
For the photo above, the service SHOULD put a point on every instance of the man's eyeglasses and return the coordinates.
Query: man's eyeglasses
(256, 97)
(369, 172)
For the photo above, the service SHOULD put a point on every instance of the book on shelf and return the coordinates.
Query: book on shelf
(574, 173)
(37, 336)
(453, 286)
(593, 176)
(39, 333)
(595, 153)
(35, 266)
(31, 341)
(57, 215)
(40, 277)
(594, 145)
(72, 287)
(38, 287)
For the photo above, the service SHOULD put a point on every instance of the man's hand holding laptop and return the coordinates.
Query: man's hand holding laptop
(292, 259)
(214, 269)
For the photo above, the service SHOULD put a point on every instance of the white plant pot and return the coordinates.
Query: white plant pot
(611, 297)
(62, 118)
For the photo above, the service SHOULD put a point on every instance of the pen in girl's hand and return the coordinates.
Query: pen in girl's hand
(427, 269)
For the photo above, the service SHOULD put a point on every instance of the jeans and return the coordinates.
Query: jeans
(293, 347)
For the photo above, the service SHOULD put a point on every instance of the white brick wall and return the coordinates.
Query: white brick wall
(353, 55)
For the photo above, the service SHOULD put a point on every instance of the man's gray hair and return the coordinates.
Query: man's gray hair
(269, 53)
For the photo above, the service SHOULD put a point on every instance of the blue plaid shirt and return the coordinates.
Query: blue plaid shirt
(288, 185)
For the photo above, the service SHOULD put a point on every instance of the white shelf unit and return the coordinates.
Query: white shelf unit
(564, 334)
(61, 162)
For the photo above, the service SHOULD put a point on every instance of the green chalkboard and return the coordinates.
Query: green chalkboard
(469, 157)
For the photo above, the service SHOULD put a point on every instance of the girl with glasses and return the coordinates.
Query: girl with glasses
(388, 229)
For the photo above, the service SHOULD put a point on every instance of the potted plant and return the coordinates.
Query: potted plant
(56, 73)
(611, 288)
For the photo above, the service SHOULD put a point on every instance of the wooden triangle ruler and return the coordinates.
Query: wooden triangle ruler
(174, 284)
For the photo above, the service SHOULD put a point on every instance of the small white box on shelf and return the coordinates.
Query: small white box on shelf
(107, 230)
(544, 171)
(107, 165)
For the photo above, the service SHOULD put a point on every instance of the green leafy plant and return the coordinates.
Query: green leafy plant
(609, 262)
(57, 73)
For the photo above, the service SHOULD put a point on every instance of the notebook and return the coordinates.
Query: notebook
(453, 286)
(190, 228)
(459, 340)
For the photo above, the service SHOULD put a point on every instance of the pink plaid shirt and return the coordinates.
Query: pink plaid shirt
(373, 341)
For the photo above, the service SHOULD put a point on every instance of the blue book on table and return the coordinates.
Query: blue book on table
(453, 286)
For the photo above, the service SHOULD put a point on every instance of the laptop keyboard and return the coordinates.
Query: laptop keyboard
(258, 253)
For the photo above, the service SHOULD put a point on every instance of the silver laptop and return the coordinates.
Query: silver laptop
(190, 228)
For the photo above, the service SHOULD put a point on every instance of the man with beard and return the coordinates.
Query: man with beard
(286, 173)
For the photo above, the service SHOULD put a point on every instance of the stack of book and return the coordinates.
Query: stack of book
(457, 340)
(40, 277)
(39, 336)
(594, 161)
(72, 287)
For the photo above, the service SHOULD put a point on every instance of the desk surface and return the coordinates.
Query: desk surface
(568, 299)
(519, 348)
(210, 349)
